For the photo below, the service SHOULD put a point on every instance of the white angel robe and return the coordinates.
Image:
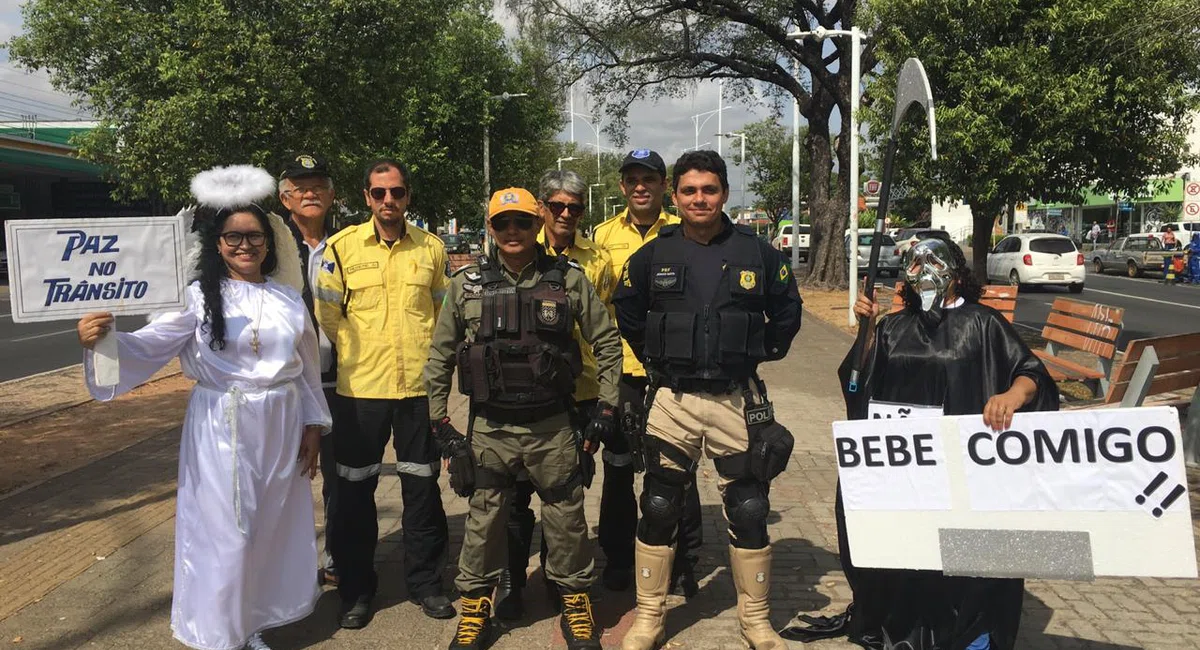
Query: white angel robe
(245, 550)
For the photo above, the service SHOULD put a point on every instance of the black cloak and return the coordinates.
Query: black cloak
(958, 359)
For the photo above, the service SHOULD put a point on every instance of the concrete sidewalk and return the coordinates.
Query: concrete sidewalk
(86, 558)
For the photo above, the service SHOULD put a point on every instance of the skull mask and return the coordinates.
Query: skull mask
(929, 267)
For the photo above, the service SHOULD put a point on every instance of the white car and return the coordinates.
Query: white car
(783, 241)
(1042, 259)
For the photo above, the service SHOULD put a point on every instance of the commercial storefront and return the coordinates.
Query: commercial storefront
(1117, 216)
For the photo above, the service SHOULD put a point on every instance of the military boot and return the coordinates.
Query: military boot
(474, 630)
(577, 623)
(509, 606)
(652, 567)
(752, 578)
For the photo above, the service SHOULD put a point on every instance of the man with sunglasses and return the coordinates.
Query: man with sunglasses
(508, 327)
(378, 296)
(643, 182)
(306, 192)
(702, 306)
(560, 205)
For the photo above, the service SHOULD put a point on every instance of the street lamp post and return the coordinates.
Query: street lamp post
(563, 160)
(699, 124)
(741, 162)
(606, 200)
(856, 37)
(487, 152)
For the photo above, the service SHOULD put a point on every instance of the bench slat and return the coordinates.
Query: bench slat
(1069, 368)
(1091, 311)
(1079, 342)
(1105, 333)
(1166, 366)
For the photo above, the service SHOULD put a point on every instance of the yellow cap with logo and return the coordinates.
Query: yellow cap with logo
(512, 199)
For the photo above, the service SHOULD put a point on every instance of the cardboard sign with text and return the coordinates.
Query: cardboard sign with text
(65, 268)
(1069, 494)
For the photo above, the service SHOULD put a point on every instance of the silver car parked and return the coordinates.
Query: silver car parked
(889, 254)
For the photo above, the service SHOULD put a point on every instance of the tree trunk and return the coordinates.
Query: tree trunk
(983, 219)
(826, 263)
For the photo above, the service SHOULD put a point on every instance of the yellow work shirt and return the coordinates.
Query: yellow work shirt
(598, 268)
(620, 239)
(391, 298)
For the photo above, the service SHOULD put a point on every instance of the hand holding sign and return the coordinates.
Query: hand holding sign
(92, 327)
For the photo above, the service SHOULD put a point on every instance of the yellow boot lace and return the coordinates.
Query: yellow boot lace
(475, 612)
(577, 608)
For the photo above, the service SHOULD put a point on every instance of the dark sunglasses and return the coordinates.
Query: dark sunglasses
(234, 238)
(501, 222)
(378, 193)
(556, 207)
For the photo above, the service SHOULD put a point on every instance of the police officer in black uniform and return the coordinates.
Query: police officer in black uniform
(702, 306)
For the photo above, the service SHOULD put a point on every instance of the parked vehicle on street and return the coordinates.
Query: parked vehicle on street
(906, 237)
(1182, 229)
(456, 244)
(889, 254)
(1041, 259)
(1132, 255)
(783, 240)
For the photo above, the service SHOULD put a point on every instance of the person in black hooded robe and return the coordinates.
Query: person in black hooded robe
(943, 350)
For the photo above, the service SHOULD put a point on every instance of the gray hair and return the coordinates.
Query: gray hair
(561, 180)
(286, 184)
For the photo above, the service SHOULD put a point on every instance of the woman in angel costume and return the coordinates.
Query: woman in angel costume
(944, 350)
(244, 549)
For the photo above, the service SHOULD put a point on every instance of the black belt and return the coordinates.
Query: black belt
(713, 386)
(519, 415)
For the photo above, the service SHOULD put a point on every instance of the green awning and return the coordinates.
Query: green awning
(47, 162)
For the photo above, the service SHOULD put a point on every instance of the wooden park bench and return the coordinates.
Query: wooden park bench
(1157, 369)
(1084, 326)
(1001, 297)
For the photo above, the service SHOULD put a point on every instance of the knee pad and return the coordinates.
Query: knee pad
(662, 506)
(747, 506)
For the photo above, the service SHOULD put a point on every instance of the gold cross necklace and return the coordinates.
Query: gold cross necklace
(254, 344)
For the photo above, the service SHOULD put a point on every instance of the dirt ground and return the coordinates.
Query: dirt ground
(49, 425)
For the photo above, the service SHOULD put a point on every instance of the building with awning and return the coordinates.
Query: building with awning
(1160, 202)
(41, 175)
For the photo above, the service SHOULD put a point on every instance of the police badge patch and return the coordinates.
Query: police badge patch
(748, 280)
(548, 312)
(666, 277)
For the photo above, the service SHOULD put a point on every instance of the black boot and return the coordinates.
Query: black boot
(474, 630)
(683, 576)
(509, 605)
(577, 623)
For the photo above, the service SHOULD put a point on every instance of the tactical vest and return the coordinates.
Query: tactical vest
(523, 362)
(705, 332)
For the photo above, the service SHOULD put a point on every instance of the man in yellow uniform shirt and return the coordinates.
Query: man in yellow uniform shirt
(378, 296)
(643, 182)
(560, 204)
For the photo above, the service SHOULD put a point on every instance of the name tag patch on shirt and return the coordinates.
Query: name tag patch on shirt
(362, 267)
(666, 277)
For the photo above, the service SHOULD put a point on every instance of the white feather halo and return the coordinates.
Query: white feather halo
(232, 187)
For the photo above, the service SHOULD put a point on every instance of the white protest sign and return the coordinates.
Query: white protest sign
(877, 409)
(1069, 494)
(65, 268)
(892, 464)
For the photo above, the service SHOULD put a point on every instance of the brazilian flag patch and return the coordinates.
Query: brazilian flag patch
(783, 273)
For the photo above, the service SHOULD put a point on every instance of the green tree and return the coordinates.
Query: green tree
(659, 48)
(179, 87)
(769, 165)
(1037, 98)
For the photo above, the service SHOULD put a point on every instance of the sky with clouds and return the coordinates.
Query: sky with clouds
(665, 126)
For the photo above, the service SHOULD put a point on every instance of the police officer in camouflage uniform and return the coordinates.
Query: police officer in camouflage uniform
(507, 325)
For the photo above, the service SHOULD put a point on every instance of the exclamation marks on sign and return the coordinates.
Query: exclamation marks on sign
(1156, 483)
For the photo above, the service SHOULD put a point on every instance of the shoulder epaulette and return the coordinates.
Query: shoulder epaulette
(342, 234)
(465, 268)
